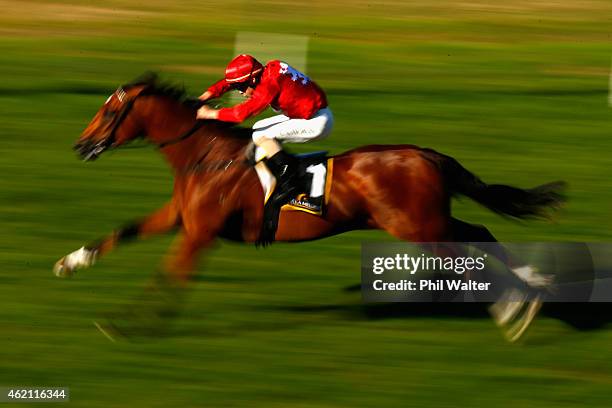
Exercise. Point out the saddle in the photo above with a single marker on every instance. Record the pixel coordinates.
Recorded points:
(313, 185)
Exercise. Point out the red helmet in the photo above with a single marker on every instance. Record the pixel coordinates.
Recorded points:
(242, 69)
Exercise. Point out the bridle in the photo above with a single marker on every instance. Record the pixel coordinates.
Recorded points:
(117, 120)
(120, 117)
(89, 151)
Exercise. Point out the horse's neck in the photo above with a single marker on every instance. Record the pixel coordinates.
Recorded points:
(168, 121)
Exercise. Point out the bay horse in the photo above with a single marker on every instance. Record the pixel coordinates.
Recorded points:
(402, 189)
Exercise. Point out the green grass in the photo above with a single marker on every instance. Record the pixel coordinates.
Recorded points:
(518, 93)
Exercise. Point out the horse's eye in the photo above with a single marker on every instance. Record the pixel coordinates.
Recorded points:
(108, 114)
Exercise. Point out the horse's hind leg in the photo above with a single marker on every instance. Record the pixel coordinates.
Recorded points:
(515, 310)
(476, 234)
(415, 224)
(161, 221)
(466, 232)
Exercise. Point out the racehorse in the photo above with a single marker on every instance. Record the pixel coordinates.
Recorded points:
(402, 189)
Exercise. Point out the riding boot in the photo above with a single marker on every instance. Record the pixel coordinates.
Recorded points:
(284, 166)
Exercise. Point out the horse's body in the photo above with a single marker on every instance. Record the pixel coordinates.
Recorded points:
(405, 204)
(402, 189)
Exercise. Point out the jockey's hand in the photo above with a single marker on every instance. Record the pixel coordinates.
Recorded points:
(205, 96)
(206, 112)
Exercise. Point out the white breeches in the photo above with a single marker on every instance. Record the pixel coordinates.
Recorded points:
(285, 129)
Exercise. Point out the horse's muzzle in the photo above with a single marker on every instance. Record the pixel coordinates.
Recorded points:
(89, 151)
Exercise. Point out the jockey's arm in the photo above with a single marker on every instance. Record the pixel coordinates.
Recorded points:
(205, 96)
(215, 90)
(257, 103)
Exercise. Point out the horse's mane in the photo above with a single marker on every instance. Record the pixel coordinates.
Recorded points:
(154, 85)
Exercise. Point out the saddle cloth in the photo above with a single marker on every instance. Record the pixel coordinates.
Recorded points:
(314, 174)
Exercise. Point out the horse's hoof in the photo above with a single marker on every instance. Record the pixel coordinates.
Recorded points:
(514, 313)
(61, 270)
(532, 276)
(81, 258)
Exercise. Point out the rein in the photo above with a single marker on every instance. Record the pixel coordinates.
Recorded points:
(200, 165)
(184, 136)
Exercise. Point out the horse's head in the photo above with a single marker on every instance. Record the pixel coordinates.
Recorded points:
(113, 125)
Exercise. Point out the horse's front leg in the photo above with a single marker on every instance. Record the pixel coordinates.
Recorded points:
(151, 313)
(161, 221)
(165, 291)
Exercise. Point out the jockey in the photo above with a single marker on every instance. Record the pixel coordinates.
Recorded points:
(305, 115)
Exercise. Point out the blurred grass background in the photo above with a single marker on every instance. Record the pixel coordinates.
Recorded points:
(518, 92)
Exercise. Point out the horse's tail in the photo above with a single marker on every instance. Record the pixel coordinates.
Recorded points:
(506, 200)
